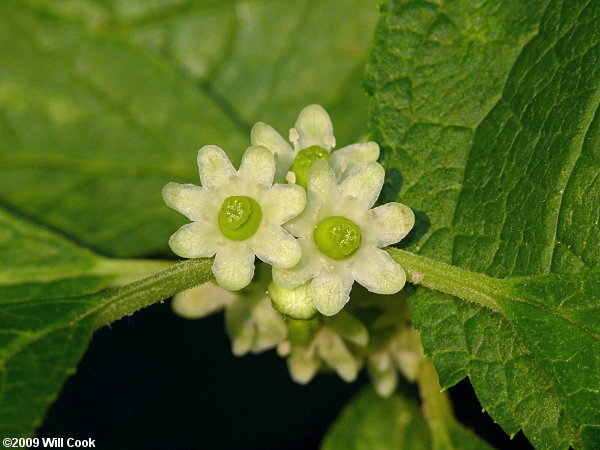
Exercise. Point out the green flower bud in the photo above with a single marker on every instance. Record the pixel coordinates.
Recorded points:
(304, 159)
(294, 303)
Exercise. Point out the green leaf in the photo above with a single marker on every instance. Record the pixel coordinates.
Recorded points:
(37, 263)
(489, 113)
(108, 101)
(558, 318)
(104, 102)
(374, 423)
(555, 316)
(42, 340)
(101, 123)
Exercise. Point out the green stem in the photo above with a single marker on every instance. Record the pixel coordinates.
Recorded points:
(154, 288)
(432, 274)
(436, 405)
(470, 286)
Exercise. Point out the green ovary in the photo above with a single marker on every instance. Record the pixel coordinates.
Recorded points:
(239, 217)
(337, 237)
(304, 159)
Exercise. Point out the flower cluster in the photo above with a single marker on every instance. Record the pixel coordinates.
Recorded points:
(308, 211)
(319, 231)
(373, 332)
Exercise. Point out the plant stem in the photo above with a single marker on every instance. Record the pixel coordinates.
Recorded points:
(436, 405)
(154, 288)
(470, 286)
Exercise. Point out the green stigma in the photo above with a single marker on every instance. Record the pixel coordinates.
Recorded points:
(337, 237)
(239, 217)
(304, 159)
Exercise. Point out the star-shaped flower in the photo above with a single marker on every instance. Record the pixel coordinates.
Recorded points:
(312, 139)
(341, 237)
(236, 215)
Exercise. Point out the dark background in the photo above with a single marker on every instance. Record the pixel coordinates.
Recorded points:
(157, 381)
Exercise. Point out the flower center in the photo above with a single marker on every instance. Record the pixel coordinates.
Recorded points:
(337, 237)
(239, 217)
(304, 159)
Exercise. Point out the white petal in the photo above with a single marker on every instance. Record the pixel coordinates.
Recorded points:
(265, 135)
(215, 168)
(295, 303)
(383, 374)
(282, 202)
(308, 267)
(195, 240)
(233, 267)
(188, 199)
(303, 225)
(331, 291)
(378, 272)
(345, 159)
(364, 183)
(391, 223)
(270, 326)
(303, 365)
(202, 300)
(253, 325)
(257, 167)
(334, 352)
(350, 328)
(322, 185)
(314, 128)
(277, 247)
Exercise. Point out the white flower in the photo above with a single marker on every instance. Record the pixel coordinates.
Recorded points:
(252, 324)
(313, 128)
(395, 347)
(202, 300)
(341, 237)
(312, 345)
(236, 215)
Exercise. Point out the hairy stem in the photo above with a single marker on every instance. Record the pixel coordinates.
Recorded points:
(154, 288)
(439, 276)
(432, 274)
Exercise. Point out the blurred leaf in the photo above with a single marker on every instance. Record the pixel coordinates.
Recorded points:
(371, 422)
(374, 423)
(488, 118)
(91, 129)
(103, 103)
(37, 263)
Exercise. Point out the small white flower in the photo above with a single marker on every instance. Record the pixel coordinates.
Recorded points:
(252, 324)
(236, 215)
(312, 139)
(326, 345)
(202, 300)
(341, 237)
